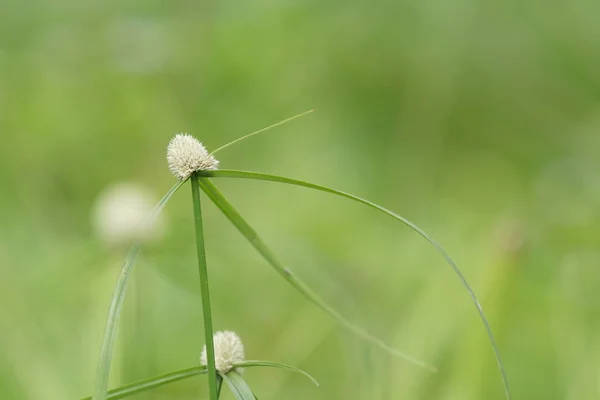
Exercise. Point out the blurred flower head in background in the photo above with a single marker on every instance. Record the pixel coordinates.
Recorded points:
(121, 215)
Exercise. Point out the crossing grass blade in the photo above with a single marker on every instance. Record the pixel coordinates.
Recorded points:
(238, 386)
(435, 244)
(256, 363)
(116, 305)
(161, 380)
(252, 236)
(152, 383)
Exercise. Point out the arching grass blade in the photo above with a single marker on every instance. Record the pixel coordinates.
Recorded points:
(231, 213)
(255, 363)
(438, 247)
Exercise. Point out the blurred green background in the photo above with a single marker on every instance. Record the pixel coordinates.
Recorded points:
(480, 121)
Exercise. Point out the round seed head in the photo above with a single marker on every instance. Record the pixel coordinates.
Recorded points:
(122, 215)
(228, 351)
(186, 155)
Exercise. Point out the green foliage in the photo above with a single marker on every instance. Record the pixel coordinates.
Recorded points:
(215, 195)
(236, 383)
(477, 119)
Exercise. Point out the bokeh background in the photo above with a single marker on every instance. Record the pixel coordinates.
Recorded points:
(478, 120)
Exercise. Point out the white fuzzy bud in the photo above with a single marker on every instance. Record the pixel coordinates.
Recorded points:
(228, 351)
(186, 155)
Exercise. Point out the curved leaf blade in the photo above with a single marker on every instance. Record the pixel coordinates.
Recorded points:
(434, 243)
(152, 383)
(238, 386)
(252, 236)
(116, 304)
(257, 363)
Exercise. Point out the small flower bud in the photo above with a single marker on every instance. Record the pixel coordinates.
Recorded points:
(186, 155)
(228, 351)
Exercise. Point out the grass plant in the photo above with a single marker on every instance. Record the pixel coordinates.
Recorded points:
(189, 160)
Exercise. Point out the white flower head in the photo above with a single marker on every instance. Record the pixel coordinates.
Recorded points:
(121, 215)
(228, 351)
(186, 155)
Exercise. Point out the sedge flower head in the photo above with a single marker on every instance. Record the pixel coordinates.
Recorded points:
(122, 214)
(229, 350)
(186, 155)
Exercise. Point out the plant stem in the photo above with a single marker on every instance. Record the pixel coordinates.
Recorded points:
(208, 331)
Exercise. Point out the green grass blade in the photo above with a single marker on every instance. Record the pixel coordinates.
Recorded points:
(116, 304)
(261, 131)
(231, 213)
(204, 292)
(255, 363)
(438, 247)
(238, 386)
(152, 383)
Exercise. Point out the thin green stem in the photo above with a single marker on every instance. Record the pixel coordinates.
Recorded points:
(260, 131)
(208, 331)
